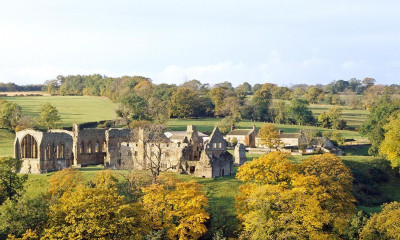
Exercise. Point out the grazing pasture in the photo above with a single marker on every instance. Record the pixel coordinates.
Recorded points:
(72, 109)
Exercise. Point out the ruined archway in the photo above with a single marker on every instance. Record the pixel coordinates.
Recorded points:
(29, 147)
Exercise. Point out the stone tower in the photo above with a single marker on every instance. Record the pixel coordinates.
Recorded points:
(240, 154)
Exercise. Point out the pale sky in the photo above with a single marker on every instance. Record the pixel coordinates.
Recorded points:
(281, 41)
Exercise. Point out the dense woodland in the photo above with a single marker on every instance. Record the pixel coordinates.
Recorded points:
(277, 199)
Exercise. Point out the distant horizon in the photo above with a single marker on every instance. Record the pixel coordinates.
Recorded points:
(282, 42)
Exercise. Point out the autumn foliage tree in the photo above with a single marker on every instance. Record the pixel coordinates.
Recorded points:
(281, 200)
(176, 209)
(390, 145)
(337, 182)
(98, 211)
(269, 135)
(64, 181)
(383, 225)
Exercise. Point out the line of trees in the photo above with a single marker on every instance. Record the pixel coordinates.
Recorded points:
(12, 87)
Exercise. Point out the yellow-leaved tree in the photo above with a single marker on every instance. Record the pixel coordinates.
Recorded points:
(176, 209)
(281, 200)
(337, 182)
(269, 135)
(390, 145)
(96, 212)
(383, 225)
(63, 181)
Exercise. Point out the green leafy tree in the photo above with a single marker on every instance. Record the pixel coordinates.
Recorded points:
(10, 182)
(279, 110)
(332, 119)
(300, 113)
(49, 116)
(27, 212)
(182, 103)
(377, 118)
(133, 107)
(315, 95)
(10, 115)
(261, 102)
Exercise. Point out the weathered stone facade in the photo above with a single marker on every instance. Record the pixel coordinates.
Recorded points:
(43, 152)
(185, 155)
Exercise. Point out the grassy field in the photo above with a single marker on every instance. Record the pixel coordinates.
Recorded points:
(354, 118)
(72, 109)
(6, 143)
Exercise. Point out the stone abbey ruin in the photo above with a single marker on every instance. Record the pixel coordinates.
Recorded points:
(188, 152)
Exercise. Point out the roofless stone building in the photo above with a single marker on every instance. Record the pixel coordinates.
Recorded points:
(43, 152)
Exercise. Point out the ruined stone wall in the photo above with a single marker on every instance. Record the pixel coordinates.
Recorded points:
(240, 155)
(54, 151)
(135, 156)
(89, 146)
(213, 164)
(114, 138)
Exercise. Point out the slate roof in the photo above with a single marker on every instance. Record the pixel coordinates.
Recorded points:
(289, 135)
(244, 132)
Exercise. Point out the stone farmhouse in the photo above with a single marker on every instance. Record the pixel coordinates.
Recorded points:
(289, 142)
(43, 152)
(246, 137)
(286, 139)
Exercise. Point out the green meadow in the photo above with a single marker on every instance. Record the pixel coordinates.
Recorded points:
(72, 109)
(353, 117)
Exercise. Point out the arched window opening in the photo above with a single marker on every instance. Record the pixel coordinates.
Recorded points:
(48, 152)
(29, 147)
(60, 150)
(89, 148)
(82, 148)
(96, 147)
